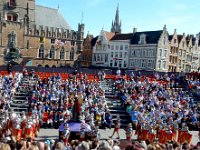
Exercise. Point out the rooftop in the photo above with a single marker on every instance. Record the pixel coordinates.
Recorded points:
(50, 17)
(152, 37)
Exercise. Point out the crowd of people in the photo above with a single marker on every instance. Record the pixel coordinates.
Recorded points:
(153, 103)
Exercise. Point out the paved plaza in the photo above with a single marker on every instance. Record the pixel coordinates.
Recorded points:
(53, 134)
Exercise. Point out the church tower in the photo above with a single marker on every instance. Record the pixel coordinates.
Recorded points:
(116, 25)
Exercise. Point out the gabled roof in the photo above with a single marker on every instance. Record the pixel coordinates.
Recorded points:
(109, 35)
(152, 37)
(45, 16)
(170, 37)
(188, 39)
(94, 40)
(127, 36)
(179, 38)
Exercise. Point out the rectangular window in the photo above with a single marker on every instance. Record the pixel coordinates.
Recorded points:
(126, 47)
(112, 54)
(165, 54)
(117, 47)
(116, 54)
(120, 54)
(111, 63)
(98, 57)
(120, 64)
(112, 47)
(143, 64)
(14, 18)
(9, 18)
(125, 54)
(150, 64)
(121, 47)
(125, 64)
(164, 65)
(106, 58)
(115, 63)
(159, 64)
(160, 52)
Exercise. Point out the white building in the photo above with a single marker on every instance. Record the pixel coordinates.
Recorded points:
(119, 49)
(101, 49)
(149, 50)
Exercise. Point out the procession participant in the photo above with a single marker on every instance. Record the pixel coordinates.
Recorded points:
(129, 132)
(116, 129)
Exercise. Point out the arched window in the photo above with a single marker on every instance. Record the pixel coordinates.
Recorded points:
(41, 51)
(52, 52)
(62, 53)
(71, 57)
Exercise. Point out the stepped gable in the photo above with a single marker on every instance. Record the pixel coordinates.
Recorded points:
(126, 36)
(50, 17)
(152, 37)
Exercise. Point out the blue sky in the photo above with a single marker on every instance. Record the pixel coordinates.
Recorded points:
(145, 15)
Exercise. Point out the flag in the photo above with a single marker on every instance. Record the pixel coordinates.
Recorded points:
(58, 42)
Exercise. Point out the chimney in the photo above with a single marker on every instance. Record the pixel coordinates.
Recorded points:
(174, 30)
(134, 30)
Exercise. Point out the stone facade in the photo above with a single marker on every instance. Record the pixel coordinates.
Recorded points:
(38, 44)
(173, 52)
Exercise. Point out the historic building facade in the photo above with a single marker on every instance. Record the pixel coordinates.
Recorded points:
(101, 48)
(173, 52)
(118, 50)
(36, 35)
(149, 50)
(195, 54)
(88, 45)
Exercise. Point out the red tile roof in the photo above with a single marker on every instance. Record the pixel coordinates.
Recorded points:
(109, 35)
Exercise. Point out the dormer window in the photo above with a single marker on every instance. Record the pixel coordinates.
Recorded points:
(12, 3)
(142, 39)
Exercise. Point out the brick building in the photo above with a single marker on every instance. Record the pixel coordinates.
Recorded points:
(37, 35)
(88, 44)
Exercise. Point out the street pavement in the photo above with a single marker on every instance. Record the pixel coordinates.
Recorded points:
(53, 134)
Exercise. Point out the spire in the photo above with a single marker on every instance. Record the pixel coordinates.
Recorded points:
(116, 24)
(117, 15)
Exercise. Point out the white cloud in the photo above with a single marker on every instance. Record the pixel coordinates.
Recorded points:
(92, 3)
(180, 7)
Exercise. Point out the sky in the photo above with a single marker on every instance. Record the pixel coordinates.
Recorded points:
(145, 15)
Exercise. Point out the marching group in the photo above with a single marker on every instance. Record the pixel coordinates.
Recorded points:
(154, 104)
